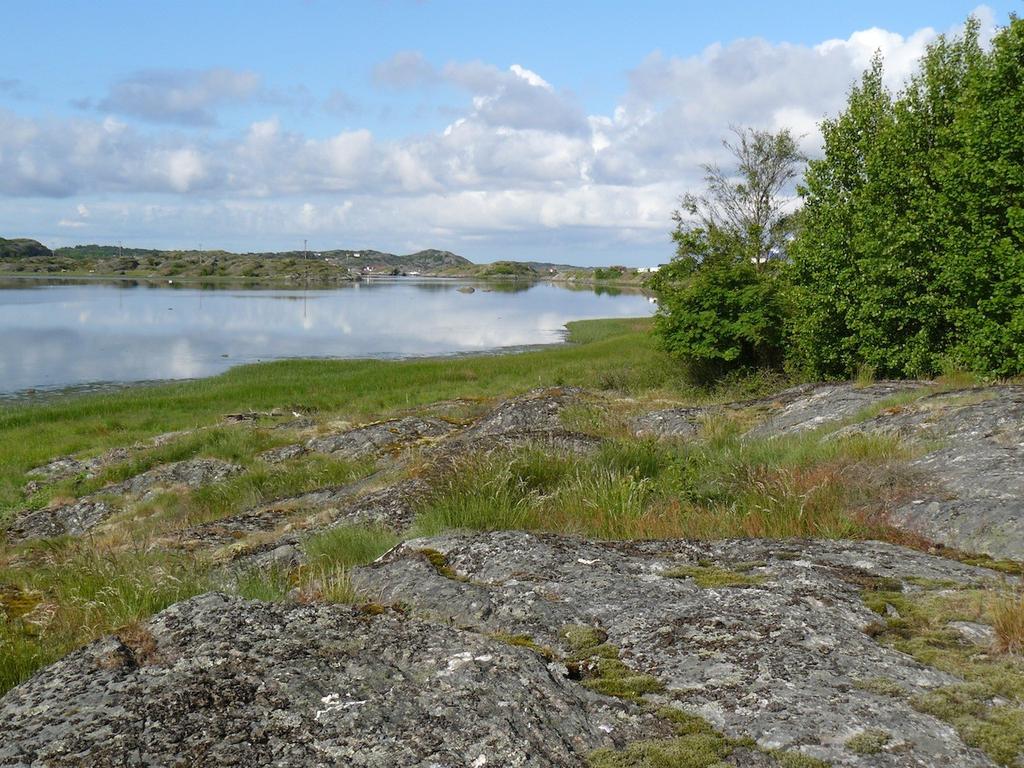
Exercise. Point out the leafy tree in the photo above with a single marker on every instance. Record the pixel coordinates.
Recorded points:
(721, 305)
(909, 257)
(746, 205)
(983, 268)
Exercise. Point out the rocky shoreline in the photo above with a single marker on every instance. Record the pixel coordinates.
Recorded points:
(517, 648)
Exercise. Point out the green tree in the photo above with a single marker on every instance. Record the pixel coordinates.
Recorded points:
(721, 303)
(898, 265)
(983, 268)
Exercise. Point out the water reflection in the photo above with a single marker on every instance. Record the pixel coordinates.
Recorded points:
(58, 333)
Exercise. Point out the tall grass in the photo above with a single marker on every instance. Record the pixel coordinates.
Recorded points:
(721, 487)
(79, 594)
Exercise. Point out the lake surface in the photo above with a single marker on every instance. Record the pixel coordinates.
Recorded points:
(57, 334)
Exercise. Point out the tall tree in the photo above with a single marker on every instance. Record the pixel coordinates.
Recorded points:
(721, 305)
(747, 204)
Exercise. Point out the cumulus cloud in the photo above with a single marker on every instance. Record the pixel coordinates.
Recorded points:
(406, 69)
(186, 97)
(340, 104)
(520, 160)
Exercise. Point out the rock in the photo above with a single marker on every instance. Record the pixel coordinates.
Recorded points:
(972, 492)
(380, 437)
(78, 517)
(809, 407)
(392, 507)
(671, 422)
(532, 418)
(59, 468)
(776, 657)
(284, 453)
(231, 529)
(974, 633)
(65, 520)
(191, 473)
(466, 289)
(68, 466)
(221, 681)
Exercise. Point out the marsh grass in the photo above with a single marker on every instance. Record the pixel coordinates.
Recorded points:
(84, 594)
(721, 487)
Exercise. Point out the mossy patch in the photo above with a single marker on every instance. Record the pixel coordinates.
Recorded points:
(696, 745)
(16, 602)
(611, 677)
(440, 562)
(710, 576)
(868, 742)
(525, 641)
(987, 709)
(883, 686)
(1009, 567)
(587, 642)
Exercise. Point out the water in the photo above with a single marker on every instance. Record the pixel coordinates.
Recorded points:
(59, 334)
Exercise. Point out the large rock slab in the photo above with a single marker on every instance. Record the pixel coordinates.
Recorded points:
(222, 681)
(80, 516)
(778, 657)
(377, 438)
(972, 494)
(536, 417)
(809, 407)
(72, 519)
(191, 473)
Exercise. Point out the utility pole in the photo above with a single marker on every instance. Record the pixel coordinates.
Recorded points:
(305, 250)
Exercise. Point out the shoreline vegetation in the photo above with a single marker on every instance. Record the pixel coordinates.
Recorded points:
(28, 258)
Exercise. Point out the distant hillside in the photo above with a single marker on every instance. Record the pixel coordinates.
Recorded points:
(22, 248)
(430, 260)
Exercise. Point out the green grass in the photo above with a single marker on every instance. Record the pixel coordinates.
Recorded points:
(348, 546)
(987, 709)
(709, 576)
(721, 487)
(80, 594)
(31, 435)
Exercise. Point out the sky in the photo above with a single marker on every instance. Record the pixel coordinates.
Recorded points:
(545, 131)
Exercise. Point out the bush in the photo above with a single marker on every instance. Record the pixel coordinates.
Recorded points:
(721, 300)
(727, 315)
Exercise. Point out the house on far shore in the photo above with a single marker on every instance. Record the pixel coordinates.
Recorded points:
(648, 269)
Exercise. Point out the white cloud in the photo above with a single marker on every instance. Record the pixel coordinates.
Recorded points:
(188, 97)
(521, 160)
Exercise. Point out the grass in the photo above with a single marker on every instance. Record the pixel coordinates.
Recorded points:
(723, 487)
(868, 742)
(79, 594)
(709, 576)
(259, 485)
(1007, 613)
(31, 435)
(348, 546)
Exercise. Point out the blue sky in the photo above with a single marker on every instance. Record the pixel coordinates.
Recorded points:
(550, 131)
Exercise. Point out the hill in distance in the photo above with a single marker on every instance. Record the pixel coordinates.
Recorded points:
(22, 248)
